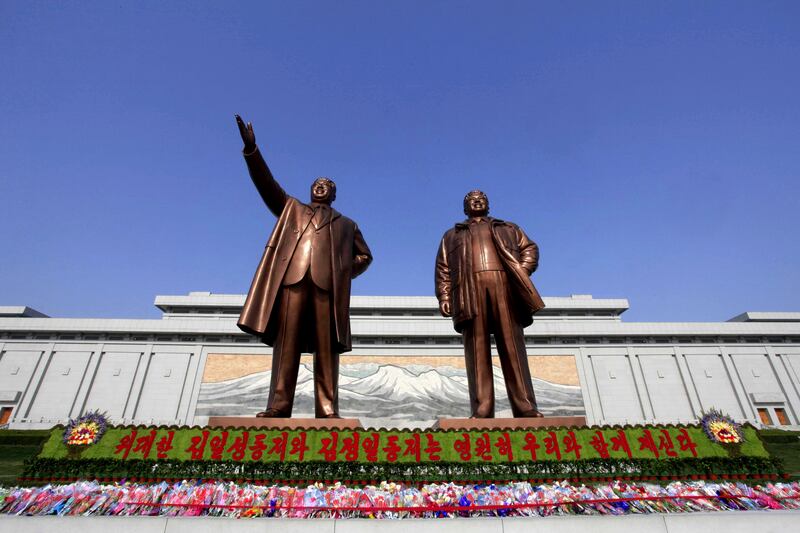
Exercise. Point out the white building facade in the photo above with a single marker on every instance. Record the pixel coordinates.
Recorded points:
(404, 368)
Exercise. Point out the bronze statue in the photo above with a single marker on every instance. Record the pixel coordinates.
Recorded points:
(483, 271)
(299, 300)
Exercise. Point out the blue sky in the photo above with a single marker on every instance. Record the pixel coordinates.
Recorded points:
(652, 149)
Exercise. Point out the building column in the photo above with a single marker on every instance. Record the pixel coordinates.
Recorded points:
(586, 386)
(26, 401)
(688, 382)
(187, 389)
(86, 383)
(641, 387)
(592, 391)
(138, 383)
(197, 381)
(788, 387)
(738, 386)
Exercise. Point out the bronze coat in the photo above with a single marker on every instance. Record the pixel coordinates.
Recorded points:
(520, 257)
(350, 256)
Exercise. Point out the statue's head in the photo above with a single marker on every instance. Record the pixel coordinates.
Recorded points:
(323, 191)
(476, 204)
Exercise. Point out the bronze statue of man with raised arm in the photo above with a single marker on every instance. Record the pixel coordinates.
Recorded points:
(299, 300)
(483, 270)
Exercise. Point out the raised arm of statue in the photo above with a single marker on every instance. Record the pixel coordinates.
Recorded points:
(269, 189)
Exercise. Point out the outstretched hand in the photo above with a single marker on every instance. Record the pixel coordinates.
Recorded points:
(248, 136)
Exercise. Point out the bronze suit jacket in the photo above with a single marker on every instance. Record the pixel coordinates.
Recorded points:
(520, 257)
(350, 256)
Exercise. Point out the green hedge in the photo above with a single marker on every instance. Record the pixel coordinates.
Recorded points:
(11, 437)
(779, 436)
(322, 471)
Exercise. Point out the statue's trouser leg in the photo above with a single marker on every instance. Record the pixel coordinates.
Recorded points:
(286, 351)
(510, 342)
(478, 356)
(326, 360)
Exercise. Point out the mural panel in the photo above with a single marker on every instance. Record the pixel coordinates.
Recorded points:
(384, 391)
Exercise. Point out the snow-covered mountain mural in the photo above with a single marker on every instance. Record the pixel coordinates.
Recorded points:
(383, 395)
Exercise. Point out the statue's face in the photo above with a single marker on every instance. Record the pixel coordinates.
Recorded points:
(476, 204)
(323, 191)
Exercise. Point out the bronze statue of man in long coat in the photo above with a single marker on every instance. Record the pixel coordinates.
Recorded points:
(483, 270)
(299, 300)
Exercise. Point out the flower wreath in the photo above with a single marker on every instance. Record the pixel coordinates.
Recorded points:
(86, 429)
(721, 428)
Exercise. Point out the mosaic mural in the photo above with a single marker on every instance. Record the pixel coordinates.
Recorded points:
(384, 391)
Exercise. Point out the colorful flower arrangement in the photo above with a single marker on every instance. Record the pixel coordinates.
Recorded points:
(392, 500)
(721, 428)
(86, 429)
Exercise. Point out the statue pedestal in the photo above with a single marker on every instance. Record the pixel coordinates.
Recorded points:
(283, 423)
(472, 424)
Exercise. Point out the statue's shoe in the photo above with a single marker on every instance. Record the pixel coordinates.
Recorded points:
(332, 415)
(272, 413)
(533, 413)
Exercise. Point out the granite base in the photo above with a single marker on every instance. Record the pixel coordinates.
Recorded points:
(283, 423)
(470, 424)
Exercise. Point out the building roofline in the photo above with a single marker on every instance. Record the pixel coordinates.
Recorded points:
(768, 316)
(403, 326)
(577, 302)
(20, 311)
